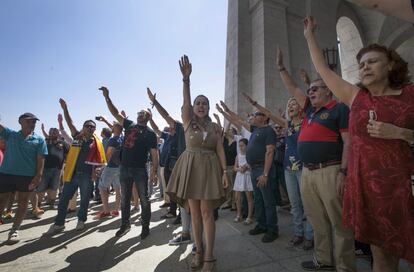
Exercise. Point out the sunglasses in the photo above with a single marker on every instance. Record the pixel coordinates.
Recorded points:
(89, 126)
(315, 88)
(259, 114)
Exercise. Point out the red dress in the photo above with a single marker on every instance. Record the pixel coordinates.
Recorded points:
(378, 202)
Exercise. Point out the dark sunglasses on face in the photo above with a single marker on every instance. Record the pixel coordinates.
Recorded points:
(315, 88)
(89, 126)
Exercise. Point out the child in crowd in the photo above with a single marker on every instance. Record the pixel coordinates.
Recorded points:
(243, 183)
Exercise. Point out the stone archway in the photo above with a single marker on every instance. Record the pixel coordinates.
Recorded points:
(350, 43)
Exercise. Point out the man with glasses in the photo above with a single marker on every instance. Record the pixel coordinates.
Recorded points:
(22, 167)
(323, 148)
(139, 142)
(78, 172)
(259, 155)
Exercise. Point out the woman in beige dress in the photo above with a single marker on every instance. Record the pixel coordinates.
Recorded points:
(199, 177)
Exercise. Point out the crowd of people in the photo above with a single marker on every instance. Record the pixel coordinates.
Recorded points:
(344, 165)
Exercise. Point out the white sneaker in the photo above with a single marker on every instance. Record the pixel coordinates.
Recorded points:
(55, 229)
(13, 236)
(80, 226)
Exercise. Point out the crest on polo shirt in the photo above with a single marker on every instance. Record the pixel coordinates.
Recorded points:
(324, 116)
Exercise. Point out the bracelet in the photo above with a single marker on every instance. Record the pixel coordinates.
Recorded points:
(282, 69)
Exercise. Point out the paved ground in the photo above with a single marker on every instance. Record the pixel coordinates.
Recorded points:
(97, 248)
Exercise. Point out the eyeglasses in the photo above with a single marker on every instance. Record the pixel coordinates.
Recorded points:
(258, 114)
(89, 126)
(315, 88)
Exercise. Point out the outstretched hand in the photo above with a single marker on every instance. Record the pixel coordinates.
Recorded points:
(185, 67)
(151, 96)
(43, 126)
(224, 106)
(220, 110)
(279, 58)
(105, 91)
(309, 26)
(63, 104)
(249, 99)
(124, 114)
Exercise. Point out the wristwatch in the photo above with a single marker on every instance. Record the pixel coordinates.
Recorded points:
(265, 175)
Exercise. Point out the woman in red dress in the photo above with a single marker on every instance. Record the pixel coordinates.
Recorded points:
(378, 198)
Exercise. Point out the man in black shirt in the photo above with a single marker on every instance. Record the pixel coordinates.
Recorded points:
(259, 155)
(57, 151)
(139, 142)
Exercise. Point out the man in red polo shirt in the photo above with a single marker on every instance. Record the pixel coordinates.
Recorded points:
(323, 148)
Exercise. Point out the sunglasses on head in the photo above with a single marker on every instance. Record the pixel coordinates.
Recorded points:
(315, 88)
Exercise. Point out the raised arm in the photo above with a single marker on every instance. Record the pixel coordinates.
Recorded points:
(153, 125)
(170, 121)
(275, 117)
(103, 119)
(68, 119)
(288, 81)
(235, 117)
(218, 120)
(222, 158)
(114, 111)
(229, 118)
(186, 68)
(342, 89)
(44, 131)
(62, 130)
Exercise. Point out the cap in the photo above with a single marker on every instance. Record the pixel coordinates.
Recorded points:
(28, 116)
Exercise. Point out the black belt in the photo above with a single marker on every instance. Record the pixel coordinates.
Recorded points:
(320, 165)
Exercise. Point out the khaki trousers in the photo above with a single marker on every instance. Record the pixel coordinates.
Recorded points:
(324, 209)
(230, 198)
(164, 185)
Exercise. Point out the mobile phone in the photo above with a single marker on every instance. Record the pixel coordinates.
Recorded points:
(98, 118)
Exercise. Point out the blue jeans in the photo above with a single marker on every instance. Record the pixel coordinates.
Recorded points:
(265, 201)
(300, 228)
(85, 184)
(129, 175)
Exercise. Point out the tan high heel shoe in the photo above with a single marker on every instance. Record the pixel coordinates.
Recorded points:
(197, 261)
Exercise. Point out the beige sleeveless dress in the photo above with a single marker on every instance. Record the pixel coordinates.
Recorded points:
(197, 173)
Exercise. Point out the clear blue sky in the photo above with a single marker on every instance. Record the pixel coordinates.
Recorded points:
(51, 49)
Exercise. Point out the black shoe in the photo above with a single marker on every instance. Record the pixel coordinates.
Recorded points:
(270, 237)
(123, 230)
(257, 230)
(145, 232)
(177, 221)
(317, 266)
(168, 215)
(226, 207)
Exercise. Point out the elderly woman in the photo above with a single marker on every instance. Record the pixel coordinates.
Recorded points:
(199, 175)
(378, 200)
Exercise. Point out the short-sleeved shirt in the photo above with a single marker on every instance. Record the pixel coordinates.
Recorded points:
(291, 160)
(21, 156)
(320, 136)
(138, 142)
(256, 149)
(105, 142)
(57, 152)
(116, 143)
(81, 166)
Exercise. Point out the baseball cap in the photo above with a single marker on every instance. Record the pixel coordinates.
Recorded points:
(28, 115)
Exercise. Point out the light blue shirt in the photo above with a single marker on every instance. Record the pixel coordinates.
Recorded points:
(20, 158)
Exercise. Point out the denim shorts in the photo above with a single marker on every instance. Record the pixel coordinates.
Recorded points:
(110, 175)
(50, 180)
